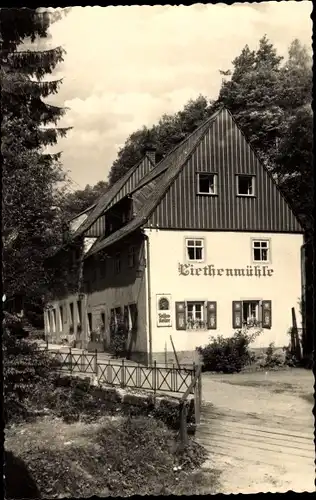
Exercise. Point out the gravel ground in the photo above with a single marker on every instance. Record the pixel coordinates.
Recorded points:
(259, 430)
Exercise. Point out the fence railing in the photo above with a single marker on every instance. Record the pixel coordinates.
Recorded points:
(177, 379)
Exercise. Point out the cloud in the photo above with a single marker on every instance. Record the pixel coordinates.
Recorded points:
(126, 66)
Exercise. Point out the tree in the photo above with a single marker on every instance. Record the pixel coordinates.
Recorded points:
(272, 104)
(31, 224)
(81, 199)
(170, 130)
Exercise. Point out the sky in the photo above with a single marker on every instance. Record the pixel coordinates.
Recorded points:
(126, 66)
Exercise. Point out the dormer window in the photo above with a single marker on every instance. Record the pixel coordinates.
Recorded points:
(245, 185)
(207, 183)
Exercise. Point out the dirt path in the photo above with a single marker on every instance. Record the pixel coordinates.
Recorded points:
(259, 431)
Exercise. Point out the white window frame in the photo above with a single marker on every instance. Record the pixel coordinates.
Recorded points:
(187, 246)
(258, 312)
(61, 316)
(53, 318)
(131, 257)
(249, 195)
(203, 319)
(267, 241)
(215, 183)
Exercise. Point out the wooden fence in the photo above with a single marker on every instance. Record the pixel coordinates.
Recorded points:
(177, 379)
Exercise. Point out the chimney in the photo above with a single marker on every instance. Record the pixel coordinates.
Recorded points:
(151, 154)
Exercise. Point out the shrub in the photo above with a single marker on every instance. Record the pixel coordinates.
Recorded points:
(271, 358)
(24, 368)
(227, 355)
(119, 335)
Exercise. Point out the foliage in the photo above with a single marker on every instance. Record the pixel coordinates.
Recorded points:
(78, 201)
(30, 219)
(25, 369)
(227, 355)
(118, 334)
(272, 359)
(272, 104)
(170, 130)
(118, 457)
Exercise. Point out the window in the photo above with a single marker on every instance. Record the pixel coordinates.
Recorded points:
(79, 311)
(133, 313)
(260, 250)
(131, 256)
(250, 313)
(61, 317)
(195, 315)
(207, 183)
(103, 318)
(117, 263)
(90, 322)
(195, 249)
(245, 185)
(71, 309)
(54, 320)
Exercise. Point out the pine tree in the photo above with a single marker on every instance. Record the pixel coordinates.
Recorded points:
(30, 221)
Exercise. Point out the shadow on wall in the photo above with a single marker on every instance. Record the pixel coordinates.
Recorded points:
(18, 480)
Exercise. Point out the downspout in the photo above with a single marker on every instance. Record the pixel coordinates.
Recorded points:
(148, 293)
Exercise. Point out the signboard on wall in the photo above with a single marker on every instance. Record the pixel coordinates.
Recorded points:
(163, 304)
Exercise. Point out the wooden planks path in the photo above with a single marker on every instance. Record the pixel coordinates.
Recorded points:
(255, 456)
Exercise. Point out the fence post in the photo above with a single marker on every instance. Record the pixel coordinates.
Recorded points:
(199, 382)
(70, 359)
(96, 362)
(154, 379)
(123, 374)
(183, 426)
(109, 373)
(47, 343)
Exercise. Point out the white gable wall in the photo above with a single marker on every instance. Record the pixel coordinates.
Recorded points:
(224, 250)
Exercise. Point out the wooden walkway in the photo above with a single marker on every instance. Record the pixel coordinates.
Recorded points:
(253, 456)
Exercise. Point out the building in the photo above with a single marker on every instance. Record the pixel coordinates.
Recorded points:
(198, 245)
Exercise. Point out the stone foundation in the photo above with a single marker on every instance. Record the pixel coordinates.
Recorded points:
(130, 401)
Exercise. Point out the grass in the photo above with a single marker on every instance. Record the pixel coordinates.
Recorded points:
(108, 457)
(75, 444)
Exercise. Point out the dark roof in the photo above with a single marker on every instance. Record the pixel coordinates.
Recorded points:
(106, 199)
(81, 213)
(154, 185)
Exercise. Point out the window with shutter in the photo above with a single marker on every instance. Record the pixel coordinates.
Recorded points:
(237, 314)
(180, 315)
(266, 314)
(211, 316)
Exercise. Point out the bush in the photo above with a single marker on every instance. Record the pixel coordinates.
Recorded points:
(119, 335)
(25, 367)
(227, 355)
(272, 359)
